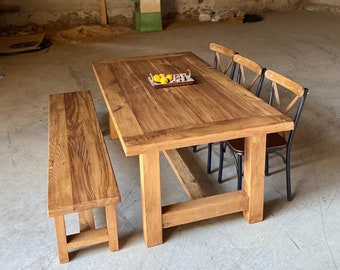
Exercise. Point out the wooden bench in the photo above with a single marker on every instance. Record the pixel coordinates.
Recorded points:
(80, 175)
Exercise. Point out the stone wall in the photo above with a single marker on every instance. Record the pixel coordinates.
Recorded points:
(189, 8)
(332, 6)
(80, 12)
(64, 12)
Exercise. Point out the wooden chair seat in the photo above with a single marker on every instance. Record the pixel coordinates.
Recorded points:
(274, 141)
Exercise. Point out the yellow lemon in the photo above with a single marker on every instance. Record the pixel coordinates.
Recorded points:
(156, 78)
(164, 80)
(169, 77)
(162, 75)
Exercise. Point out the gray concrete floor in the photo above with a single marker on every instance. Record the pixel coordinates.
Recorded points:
(302, 234)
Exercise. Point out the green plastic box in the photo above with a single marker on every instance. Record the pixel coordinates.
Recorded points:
(148, 22)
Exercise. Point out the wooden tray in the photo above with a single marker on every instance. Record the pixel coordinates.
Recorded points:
(177, 80)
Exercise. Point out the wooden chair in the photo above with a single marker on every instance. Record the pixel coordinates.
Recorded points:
(249, 73)
(223, 62)
(223, 59)
(293, 95)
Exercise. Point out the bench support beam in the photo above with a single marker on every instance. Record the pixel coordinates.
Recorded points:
(86, 220)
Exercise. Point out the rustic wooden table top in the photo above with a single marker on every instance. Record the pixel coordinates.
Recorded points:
(212, 109)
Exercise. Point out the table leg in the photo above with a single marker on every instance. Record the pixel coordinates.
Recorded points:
(254, 160)
(151, 198)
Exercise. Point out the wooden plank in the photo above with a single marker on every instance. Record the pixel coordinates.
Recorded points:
(120, 114)
(59, 171)
(184, 175)
(111, 220)
(151, 198)
(204, 208)
(103, 12)
(113, 131)
(60, 229)
(213, 132)
(80, 175)
(87, 238)
(253, 182)
(86, 220)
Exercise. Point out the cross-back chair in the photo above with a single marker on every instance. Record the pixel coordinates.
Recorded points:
(223, 59)
(289, 97)
(249, 73)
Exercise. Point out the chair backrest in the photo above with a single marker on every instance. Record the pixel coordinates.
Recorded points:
(249, 74)
(223, 59)
(292, 95)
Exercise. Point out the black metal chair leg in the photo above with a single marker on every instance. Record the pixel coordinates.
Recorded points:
(288, 184)
(266, 168)
(209, 157)
(220, 165)
(239, 172)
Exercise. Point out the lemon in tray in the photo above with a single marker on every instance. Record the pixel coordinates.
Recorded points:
(156, 78)
(164, 80)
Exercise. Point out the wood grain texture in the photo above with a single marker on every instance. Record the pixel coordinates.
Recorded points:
(254, 159)
(222, 52)
(80, 176)
(86, 220)
(151, 198)
(204, 208)
(248, 64)
(212, 109)
(112, 129)
(87, 238)
(59, 222)
(111, 220)
(184, 175)
(285, 82)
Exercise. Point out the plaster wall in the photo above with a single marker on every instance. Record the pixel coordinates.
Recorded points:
(78, 12)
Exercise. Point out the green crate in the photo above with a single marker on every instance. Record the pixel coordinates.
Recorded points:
(148, 22)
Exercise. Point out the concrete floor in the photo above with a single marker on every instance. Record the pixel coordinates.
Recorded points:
(302, 234)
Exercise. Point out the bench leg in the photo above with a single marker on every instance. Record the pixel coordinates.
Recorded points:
(111, 220)
(61, 238)
(86, 220)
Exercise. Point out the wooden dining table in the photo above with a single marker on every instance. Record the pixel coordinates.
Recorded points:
(149, 121)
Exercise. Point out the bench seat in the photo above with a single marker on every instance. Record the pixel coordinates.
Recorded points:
(80, 175)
